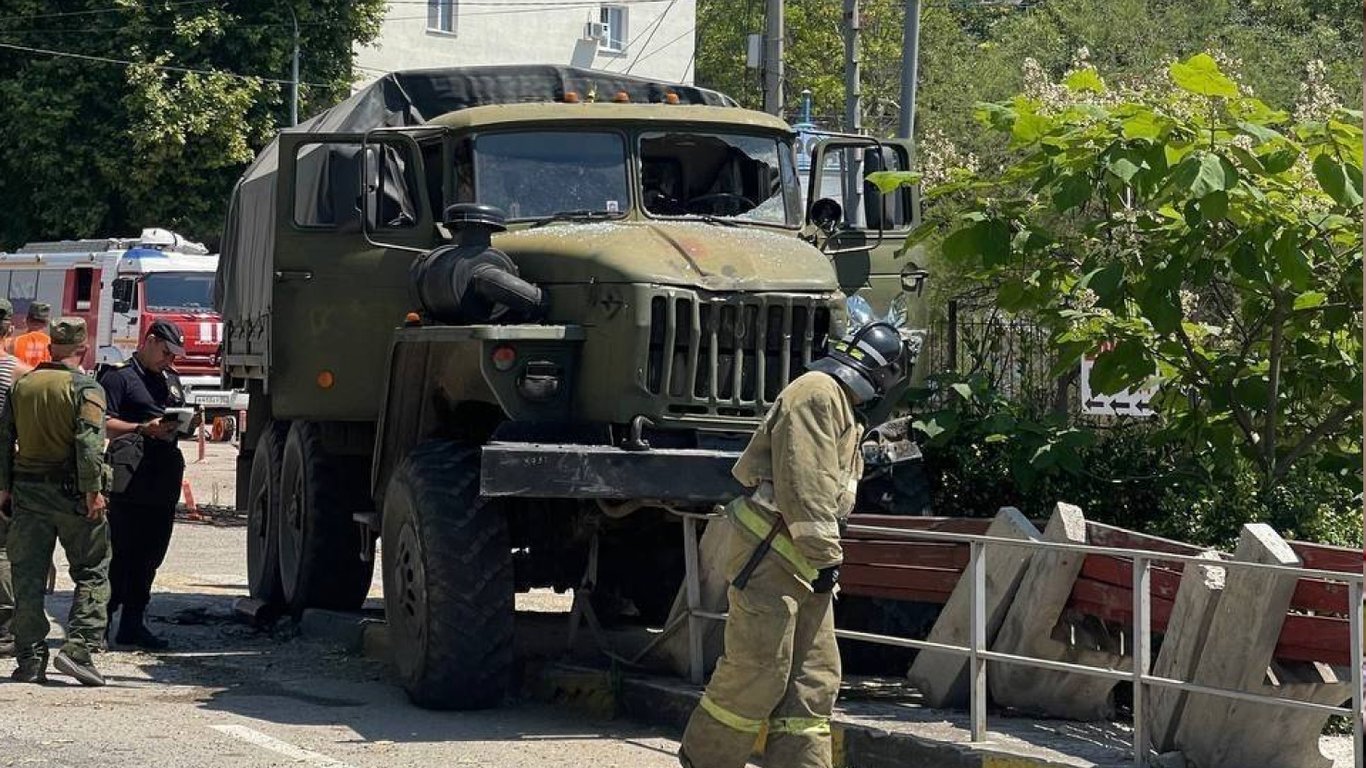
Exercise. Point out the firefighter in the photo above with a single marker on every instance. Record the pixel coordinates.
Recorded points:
(32, 346)
(781, 667)
(55, 483)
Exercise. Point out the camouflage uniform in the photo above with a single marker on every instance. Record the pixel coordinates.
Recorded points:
(781, 668)
(57, 414)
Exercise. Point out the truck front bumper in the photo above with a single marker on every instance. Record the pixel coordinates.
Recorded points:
(570, 471)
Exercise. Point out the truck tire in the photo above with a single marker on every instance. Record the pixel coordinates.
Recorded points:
(263, 510)
(448, 580)
(320, 543)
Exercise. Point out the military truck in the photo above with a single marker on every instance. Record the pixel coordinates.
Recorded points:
(504, 318)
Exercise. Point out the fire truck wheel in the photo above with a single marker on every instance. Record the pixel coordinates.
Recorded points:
(263, 494)
(448, 580)
(320, 544)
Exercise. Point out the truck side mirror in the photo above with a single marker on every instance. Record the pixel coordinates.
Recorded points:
(123, 295)
(826, 214)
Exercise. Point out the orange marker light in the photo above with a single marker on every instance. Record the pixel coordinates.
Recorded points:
(504, 357)
(326, 379)
(412, 318)
(671, 98)
(571, 97)
(622, 97)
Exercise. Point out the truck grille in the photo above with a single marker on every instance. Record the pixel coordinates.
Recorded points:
(730, 355)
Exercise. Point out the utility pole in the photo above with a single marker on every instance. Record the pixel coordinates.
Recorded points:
(294, 71)
(910, 68)
(853, 92)
(773, 57)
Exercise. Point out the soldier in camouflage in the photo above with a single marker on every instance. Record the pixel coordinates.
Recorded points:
(55, 483)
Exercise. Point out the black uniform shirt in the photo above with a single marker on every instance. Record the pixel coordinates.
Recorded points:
(138, 395)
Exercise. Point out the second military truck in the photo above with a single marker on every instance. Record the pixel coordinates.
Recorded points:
(500, 318)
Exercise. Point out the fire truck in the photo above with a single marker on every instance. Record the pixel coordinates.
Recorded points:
(120, 286)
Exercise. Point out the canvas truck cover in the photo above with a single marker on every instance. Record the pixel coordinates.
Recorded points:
(246, 266)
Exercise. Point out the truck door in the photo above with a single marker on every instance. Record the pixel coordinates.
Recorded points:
(337, 294)
(866, 241)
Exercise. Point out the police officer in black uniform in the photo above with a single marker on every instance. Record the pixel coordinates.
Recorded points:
(148, 470)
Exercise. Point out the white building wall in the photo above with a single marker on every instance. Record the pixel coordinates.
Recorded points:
(659, 37)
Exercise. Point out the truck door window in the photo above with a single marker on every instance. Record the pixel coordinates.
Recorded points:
(839, 180)
(704, 174)
(391, 185)
(125, 295)
(326, 184)
(538, 174)
(84, 288)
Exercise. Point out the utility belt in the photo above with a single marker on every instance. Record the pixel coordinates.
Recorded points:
(756, 517)
(64, 478)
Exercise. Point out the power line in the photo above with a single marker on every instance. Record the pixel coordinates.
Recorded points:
(666, 45)
(659, 22)
(115, 9)
(161, 67)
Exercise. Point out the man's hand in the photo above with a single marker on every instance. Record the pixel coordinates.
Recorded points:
(826, 579)
(94, 506)
(160, 429)
(6, 501)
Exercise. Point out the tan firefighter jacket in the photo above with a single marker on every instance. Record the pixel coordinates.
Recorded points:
(804, 463)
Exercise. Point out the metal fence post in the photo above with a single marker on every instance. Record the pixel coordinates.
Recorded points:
(1354, 597)
(1142, 648)
(694, 589)
(977, 666)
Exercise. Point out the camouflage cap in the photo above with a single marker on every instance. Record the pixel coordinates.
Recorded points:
(40, 312)
(6, 310)
(68, 332)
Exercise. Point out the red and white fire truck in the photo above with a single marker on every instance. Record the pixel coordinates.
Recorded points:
(120, 286)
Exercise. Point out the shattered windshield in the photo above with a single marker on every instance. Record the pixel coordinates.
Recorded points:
(179, 290)
(747, 178)
(534, 174)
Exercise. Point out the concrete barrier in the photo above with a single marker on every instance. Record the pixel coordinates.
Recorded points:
(1196, 601)
(942, 677)
(1028, 630)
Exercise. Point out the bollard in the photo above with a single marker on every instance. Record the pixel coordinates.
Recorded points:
(191, 509)
(202, 427)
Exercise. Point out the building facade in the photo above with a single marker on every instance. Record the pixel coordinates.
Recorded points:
(649, 38)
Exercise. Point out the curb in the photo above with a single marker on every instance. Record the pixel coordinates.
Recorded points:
(668, 704)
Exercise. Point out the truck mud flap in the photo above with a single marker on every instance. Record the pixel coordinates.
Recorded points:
(567, 471)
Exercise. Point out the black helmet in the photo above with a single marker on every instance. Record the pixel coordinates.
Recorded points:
(869, 362)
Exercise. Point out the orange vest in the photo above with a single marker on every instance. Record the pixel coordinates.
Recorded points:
(32, 348)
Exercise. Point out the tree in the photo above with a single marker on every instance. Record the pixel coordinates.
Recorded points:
(99, 148)
(1190, 235)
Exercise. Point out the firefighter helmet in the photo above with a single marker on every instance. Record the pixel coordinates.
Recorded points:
(869, 362)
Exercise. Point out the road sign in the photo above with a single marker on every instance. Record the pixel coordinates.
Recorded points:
(1126, 402)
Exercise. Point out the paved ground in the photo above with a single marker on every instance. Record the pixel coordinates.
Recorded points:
(230, 696)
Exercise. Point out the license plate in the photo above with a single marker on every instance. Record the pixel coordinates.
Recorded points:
(209, 400)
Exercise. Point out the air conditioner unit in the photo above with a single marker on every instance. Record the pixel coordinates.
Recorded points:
(595, 30)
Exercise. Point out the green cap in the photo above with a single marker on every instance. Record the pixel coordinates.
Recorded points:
(6, 310)
(68, 331)
(40, 312)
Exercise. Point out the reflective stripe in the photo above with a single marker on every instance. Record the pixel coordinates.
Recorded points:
(800, 726)
(816, 529)
(747, 517)
(730, 719)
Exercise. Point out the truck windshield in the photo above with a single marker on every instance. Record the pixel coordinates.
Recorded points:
(748, 178)
(535, 174)
(179, 290)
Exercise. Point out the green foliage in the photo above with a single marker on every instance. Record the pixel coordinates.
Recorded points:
(1191, 237)
(93, 148)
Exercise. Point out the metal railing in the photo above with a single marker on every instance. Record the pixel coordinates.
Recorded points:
(978, 654)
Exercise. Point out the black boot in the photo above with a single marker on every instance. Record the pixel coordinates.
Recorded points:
(30, 670)
(133, 632)
(6, 645)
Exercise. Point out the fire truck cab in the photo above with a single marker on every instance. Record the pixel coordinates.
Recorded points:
(120, 286)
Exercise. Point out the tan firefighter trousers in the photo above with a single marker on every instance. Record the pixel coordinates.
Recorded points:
(781, 668)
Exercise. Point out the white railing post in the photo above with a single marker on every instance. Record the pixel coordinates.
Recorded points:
(977, 666)
(1354, 597)
(693, 588)
(1142, 641)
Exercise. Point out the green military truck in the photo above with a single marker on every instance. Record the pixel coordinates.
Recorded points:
(499, 317)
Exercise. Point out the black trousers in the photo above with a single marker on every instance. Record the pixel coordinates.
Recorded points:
(140, 534)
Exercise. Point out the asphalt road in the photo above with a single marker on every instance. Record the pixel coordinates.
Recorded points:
(228, 695)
